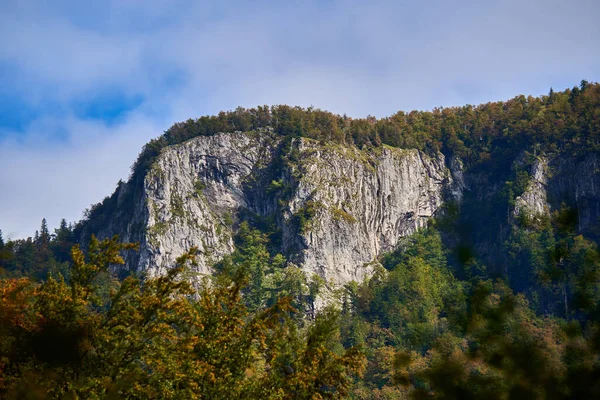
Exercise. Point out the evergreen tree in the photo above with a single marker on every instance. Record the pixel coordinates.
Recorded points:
(63, 241)
(43, 253)
(44, 233)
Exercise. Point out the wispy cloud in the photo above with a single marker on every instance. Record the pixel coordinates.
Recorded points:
(84, 85)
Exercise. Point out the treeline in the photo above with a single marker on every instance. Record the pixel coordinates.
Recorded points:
(559, 121)
(36, 257)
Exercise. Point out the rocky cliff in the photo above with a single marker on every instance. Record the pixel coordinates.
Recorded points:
(534, 200)
(364, 203)
(337, 208)
(575, 181)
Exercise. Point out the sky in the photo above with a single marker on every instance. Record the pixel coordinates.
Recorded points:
(85, 84)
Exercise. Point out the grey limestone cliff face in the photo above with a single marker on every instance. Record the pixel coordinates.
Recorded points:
(191, 193)
(534, 201)
(362, 201)
(365, 202)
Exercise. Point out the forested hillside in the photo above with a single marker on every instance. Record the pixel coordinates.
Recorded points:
(498, 297)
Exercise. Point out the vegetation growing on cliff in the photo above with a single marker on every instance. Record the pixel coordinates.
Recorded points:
(304, 215)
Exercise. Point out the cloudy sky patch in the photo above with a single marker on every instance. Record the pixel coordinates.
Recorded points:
(83, 85)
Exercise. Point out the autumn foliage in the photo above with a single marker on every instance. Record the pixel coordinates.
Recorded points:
(96, 337)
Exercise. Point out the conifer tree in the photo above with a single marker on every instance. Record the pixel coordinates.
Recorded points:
(44, 232)
(63, 241)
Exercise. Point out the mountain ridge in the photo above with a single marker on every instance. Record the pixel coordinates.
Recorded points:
(488, 158)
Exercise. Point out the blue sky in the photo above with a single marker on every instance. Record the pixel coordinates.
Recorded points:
(83, 85)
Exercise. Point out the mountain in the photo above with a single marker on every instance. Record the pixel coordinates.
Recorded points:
(334, 209)
(451, 253)
(336, 194)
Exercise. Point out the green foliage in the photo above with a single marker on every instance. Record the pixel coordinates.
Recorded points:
(417, 297)
(426, 244)
(161, 339)
(38, 257)
(275, 186)
(305, 214)
(466, 131)
(158, 229)
(177, 206)
(506, 352)
(515, 188)
(199, 187)
(252, 260)
(341, 215)
(267, 276)
(429, 335)
(227, 219)
(558, 269)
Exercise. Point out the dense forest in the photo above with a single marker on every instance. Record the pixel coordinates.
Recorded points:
(442, 317)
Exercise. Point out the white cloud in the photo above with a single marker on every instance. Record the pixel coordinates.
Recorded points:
(349, 57)
(54, 180)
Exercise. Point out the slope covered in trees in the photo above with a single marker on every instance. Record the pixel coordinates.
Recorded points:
(96, 337)
(562, 121)
(485, 303)
(413, 330)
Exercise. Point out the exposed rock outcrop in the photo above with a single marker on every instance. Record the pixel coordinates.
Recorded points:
(556, 181)
(576, 182)
(334, 209)
(192, 192)
(365, 202)
(357, 203)
(534, 201)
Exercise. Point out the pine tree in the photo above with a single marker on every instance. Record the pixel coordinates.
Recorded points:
(43, 254)
(4, 254)
(551, 96)
(63, 241)
(44, 232)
